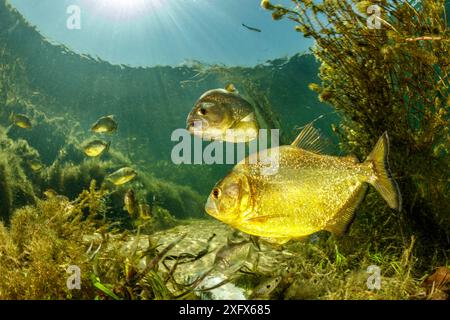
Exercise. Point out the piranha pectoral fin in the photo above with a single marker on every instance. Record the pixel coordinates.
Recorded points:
(344, 218)
(383, 182)
(263, 219)
(249, 118)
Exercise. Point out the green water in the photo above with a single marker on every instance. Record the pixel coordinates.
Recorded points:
(64, 93)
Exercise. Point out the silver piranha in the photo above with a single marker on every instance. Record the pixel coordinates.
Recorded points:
(122, 176)
(222, 114)
(105, 125)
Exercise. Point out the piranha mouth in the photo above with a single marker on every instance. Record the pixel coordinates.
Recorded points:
(211, 207)
(197, 126)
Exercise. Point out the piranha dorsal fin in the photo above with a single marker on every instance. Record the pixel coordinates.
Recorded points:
(344, 218)
(383, 181)
(309, 139)
(231, 88)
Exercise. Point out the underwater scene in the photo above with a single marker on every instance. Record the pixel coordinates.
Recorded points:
(224, 150)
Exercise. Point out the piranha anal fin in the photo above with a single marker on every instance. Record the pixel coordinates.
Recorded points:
(276, 241)
(344, 218)
(383, 181)
(309, 139)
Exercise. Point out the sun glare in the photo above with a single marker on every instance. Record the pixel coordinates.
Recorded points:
(126, 8)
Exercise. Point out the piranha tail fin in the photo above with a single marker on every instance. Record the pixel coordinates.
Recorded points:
(383, 181)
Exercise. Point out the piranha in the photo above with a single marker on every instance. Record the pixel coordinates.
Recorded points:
(105, 125)
(35, 165)
(122, 176)
(21, 120)
(265, 288)
(96, 148)
(129, 201)
(309, 192)
(218, 111)
(145, 211)
(233, 256)
(50, 193)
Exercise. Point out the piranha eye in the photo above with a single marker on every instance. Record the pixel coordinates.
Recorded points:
(216, 193)
(202, 111)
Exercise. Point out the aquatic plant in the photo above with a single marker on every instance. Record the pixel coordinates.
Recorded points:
(43, 240)
(16, 180)
(393, 77)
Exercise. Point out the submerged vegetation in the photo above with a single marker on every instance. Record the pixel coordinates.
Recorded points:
(58, 209)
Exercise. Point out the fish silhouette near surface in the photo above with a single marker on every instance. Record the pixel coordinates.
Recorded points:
(251, 28)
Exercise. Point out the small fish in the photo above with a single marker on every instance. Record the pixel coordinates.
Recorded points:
(251, 28)
(145, 211)
(232, 256)
(265, 288)
(309, 191)
(35, 165)
(122, 176)
(50, 193)
(105, 125)
(219, 110)
(129, 200)
(21, 120)
(96, 148)
(439, 279)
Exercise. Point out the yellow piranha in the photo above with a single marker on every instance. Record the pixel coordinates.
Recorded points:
(145, 211)
(222, 114)
(35, 165)
(21, 120)
(96, 148)
(308, 192)
(122, 176)
(105, 125)
(129, 201)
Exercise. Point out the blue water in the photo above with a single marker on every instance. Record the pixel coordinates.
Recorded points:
(163, 32)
